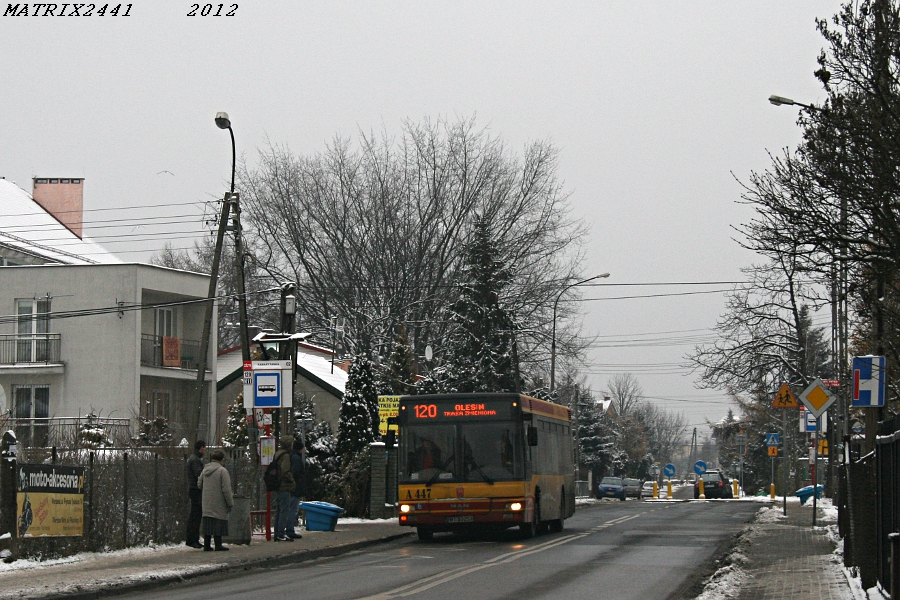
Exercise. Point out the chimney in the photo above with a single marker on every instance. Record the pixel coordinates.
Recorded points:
(63, 199)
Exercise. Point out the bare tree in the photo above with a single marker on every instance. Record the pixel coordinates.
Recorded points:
(626, 394)
(373, 234)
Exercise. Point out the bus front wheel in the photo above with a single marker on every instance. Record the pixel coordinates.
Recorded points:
(560, 523)
(424, 534)
(531, 529)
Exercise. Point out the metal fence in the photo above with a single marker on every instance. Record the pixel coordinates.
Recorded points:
(152, 352)
(40, 348)
(133, 497)
(69, 432)
(887, 496)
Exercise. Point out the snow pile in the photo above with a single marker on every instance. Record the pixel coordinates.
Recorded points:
(87, 557)
(770, 514)
(725, 583)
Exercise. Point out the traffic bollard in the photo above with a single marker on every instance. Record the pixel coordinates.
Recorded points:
(669, 490)
(772, 491)
(734, 487)
(895, 565)
(655, 490)
(702, 494)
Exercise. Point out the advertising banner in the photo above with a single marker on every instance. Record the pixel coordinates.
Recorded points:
(50, 501)
(388, 406)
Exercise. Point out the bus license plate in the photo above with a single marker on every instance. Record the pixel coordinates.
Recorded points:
(418, 494)
(463, 519)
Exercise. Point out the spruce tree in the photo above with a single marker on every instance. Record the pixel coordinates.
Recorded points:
(482, 345)
(236, 426)
(358, 422)
(402, 371)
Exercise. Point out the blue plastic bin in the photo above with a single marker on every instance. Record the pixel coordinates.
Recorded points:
(805, 493)
(321, 516)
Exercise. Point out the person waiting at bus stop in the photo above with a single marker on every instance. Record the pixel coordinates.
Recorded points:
(286, 486)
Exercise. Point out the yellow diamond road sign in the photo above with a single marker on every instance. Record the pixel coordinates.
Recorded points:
(817, 398)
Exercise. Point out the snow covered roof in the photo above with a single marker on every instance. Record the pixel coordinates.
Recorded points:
(26, 227)
(314, 367)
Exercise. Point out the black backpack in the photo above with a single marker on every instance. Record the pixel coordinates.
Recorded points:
(272, 478)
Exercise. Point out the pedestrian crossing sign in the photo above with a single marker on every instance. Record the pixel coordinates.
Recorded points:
(785, 398)
(772, 439)
(773, 450)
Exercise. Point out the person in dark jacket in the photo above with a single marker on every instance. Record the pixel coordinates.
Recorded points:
(298, 470)
(218, 500)
(192, 468)
(282, 460)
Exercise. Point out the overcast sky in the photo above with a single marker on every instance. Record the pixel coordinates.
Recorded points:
(656, 109)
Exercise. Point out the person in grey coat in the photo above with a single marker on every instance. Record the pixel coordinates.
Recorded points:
(215, 484)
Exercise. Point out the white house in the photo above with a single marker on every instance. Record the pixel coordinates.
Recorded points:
(82, 332)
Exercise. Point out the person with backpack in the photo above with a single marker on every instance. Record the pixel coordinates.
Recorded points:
(298, 470)
(218, 500)
(286, 486)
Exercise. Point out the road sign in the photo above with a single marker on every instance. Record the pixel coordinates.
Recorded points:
(772, 439)
(808, 422)
(817, 398)
(740, 440)
(699, 467)
(785, 398)
(669, 470)
(868, 381)
(773, 450)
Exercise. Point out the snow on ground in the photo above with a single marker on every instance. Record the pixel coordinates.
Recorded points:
(724, 583)
(87, 557)
(355, 521)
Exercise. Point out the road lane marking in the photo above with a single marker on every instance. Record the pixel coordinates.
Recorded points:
(437, 579)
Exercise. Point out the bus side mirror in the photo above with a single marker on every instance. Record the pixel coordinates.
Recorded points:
(390, 439)
(531, 434)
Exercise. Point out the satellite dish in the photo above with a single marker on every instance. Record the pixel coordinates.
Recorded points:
(429, 354)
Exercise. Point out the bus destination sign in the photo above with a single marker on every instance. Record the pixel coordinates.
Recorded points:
(442, 411)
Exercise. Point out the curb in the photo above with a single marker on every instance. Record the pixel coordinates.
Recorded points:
(247, 565)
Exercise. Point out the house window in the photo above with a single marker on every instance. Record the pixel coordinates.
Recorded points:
(158, 405)
(76, 181)
(40, 181)
(32, 327)
(165, 322)
(31, 409)
(54, 181)
(64, 181)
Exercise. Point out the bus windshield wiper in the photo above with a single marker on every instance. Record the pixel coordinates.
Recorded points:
(480, 472)
(439, 471)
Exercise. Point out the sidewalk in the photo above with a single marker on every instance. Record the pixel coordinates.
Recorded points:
(86, 575)
(784, 557)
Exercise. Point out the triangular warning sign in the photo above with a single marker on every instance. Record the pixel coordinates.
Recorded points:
(785, 398)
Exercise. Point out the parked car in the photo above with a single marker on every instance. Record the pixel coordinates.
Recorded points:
(647, 489)
(715, 485)
(611, 487)
(632, 488)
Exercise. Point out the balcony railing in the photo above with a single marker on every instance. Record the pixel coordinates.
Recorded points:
(35, 348)
(152, 353)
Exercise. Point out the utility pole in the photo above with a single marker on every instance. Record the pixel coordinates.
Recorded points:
(286, 348)
(203, 398)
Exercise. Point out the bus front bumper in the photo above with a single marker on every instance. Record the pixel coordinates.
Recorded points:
(459, 512)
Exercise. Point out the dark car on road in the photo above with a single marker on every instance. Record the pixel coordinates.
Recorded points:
(611, 487)
(632, 488)
(715, 485)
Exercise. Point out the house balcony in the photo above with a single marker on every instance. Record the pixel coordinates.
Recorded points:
(30, 350)
(159, 351)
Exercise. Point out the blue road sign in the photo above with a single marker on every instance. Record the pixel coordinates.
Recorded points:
(669, 470)
(699, 467)
(266, 389)
(868, 381)
(772, 439)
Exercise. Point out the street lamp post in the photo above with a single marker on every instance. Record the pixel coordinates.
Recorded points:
(553, 337)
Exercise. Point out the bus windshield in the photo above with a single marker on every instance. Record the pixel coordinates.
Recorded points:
(472, 451)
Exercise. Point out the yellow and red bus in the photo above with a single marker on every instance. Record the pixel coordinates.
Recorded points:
(481, 461)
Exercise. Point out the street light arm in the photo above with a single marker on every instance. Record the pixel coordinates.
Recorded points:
(782, 101)
(553, 337)
(233, 158)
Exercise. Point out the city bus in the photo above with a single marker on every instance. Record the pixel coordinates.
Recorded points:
(470, 462)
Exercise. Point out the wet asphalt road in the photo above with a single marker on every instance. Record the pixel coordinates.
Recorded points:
(621, 550)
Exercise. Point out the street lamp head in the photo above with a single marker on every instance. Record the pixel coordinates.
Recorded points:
(779, 100)
(603, 276)
(222, 120)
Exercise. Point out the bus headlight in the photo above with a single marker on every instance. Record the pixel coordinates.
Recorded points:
(405, 508)
(515, 506)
